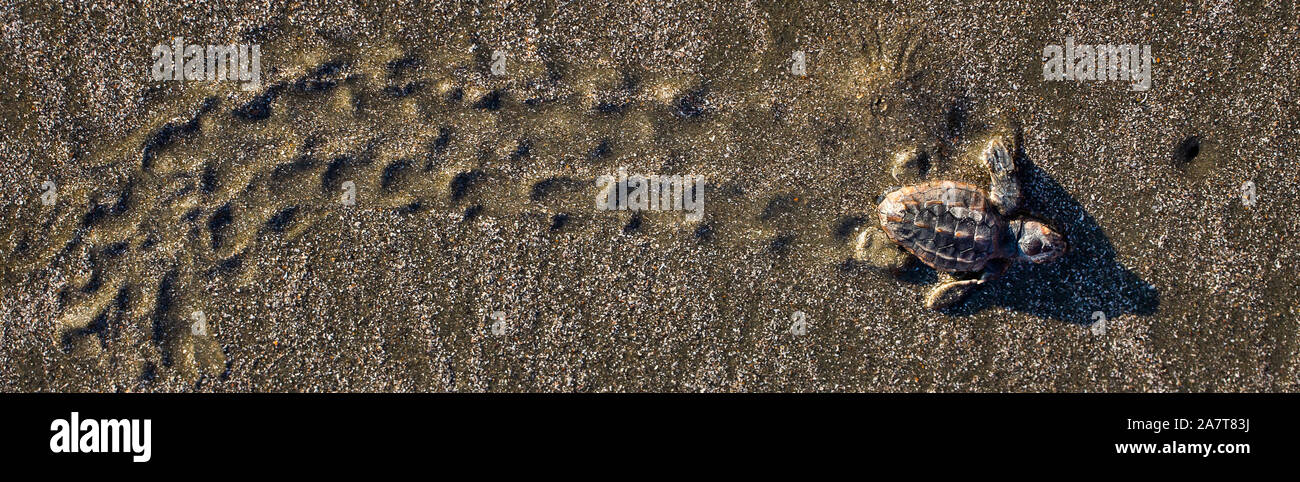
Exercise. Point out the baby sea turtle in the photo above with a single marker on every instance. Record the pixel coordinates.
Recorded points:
(956, 227)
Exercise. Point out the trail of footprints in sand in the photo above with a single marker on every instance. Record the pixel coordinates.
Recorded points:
(195, 197)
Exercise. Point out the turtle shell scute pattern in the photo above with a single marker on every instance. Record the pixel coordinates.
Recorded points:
(948, 225)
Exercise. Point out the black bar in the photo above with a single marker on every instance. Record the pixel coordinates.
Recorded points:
(358, 429)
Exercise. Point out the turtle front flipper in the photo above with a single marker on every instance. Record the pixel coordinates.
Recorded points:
(1004, 189)
(950, 293)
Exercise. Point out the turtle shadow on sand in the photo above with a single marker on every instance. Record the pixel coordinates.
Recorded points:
(1086, 280)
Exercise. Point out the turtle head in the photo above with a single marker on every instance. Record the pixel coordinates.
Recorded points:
(1037, 242)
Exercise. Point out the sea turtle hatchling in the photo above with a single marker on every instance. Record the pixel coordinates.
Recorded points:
(956, 227)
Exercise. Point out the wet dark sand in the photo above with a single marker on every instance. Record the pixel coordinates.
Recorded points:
(474, 195)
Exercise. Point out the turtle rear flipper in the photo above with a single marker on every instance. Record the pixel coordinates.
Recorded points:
(874, 248)
(951, 290)
(1004, 189)
(950, 293)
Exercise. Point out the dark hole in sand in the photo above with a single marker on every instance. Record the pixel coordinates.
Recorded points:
(411, 208)
(444, 137)
(332, 177)
(230, 363)
(230, 265)
(99, 211)
(455, 95)
(691, 105)
(404, 90)
(218, 224)
(490, 101)
(633, 225)
(558, 221)
(183, 191)
(601, 150)
(96, 278)
(1186, 152)
(208, 182)
(148, 373)
(471, 213)
(462, 182)
(833, 137)
(98, 326)
(116, 249)
(522, 150)
(393, 172)
(169, 132)
(24, 243)
(437, 148)
(124, 198)
(282, 219)
(287, 170)
(161, 316)
(261, 33)
(259, 107)
(192, 215)
(400, 66)
(704, 232)
(150, 241)
(320, 80)
(96, 213)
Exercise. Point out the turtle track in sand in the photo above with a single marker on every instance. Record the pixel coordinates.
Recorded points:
(197, 195)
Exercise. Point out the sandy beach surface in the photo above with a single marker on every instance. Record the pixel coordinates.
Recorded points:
(405, 202)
